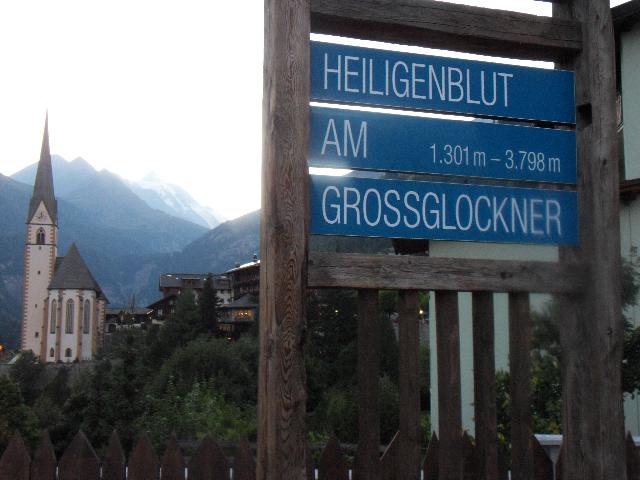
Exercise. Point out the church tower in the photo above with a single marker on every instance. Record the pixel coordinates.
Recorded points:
(40, 252)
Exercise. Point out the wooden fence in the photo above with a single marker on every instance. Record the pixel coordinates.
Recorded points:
(80, 462)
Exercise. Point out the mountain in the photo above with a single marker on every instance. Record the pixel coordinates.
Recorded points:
(168, 198)
(175, 201)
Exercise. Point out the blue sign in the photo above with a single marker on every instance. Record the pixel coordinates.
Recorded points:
(358, 75)
(443, 211)
(387, 142)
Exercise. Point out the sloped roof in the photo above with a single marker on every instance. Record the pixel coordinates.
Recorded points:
(43, 186)
(245, 301)
(72, 272)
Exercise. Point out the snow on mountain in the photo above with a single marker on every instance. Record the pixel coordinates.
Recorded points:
(175, 201)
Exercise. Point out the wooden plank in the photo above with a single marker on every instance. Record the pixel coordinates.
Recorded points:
(210, 463)
(143, 464)
(172, 464)
(395, 272)
(633, 459)
(452, 27)
(484, 383)
(449, 396)
(244, 467)
(389, 459)
(15, 460)
(469, 465)
(542, 464)
(520, 386)
(44, 463)
(113, 467)
(368, 454)
(332, 464)
(283, 242)
(409, 387)
(592, 333)
(79, 461)
(430, 463)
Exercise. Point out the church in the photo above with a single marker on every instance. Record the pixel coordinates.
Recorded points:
(63, 307)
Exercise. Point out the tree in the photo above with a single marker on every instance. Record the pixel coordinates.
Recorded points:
(25, 372)
(209, 303)
(181, 327)
(15, 415)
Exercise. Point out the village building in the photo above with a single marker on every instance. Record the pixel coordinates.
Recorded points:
(174, 283)
(63, 307)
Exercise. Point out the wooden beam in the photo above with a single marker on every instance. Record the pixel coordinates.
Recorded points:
(448, 26)
(484, 383)
(590, 325)
(368, 452)
(282, 433)
(520, 386)
(351, 270)
(449, 396)
(409, 386)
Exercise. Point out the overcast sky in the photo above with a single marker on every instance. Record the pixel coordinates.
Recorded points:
(137, 86)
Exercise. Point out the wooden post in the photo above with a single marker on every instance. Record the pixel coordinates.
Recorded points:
(520, 386)
(484, 383)
(368, 455)
(449, 397)
(591, 326)
(408, 362)
(283, 233)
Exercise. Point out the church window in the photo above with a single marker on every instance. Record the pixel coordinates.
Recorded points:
(54, 309)
(40, 236)
(52, 352)
(67, 353)
(68, 327)
(86, 317)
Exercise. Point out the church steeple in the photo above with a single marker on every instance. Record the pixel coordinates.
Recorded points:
(43, 187)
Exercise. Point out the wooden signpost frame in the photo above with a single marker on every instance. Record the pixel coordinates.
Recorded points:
(578, 37)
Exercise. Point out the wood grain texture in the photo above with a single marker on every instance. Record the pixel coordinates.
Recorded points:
(368, 455)
(79, 461)
(113, 467)
(449, 396)
(520, 332)
(453, 27)
(409, 386)
(591, 331)
(484, 382)
(44, 463)
(352, 270)
(283, 242)
(172, 463)
(15, 460)
(469, 465)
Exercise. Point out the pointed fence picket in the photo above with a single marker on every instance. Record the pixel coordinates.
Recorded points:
(80, 462)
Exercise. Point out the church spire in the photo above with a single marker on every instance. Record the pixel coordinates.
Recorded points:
(43, 187)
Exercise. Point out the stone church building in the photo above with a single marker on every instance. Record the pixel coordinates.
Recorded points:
(63, 307)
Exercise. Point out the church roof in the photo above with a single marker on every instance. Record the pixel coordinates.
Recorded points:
(72, 273)
(43, 186)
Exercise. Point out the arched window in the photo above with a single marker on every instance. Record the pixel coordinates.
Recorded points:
(68, 326)
(40, 236)
(67, 353)
(54, 312)
(86, 317)
(52, 352)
